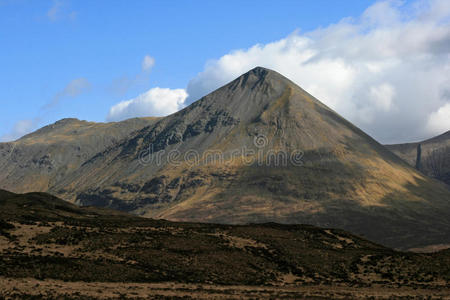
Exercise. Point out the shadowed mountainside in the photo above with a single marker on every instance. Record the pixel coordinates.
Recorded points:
(260, 149)
(46, 238)
(431, 156)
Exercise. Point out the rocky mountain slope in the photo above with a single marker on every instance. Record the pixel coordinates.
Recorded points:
(47, 239)
(259, 149)
(40, 159)
(431, 156)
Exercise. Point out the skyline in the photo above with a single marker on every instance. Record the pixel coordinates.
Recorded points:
(131, 66)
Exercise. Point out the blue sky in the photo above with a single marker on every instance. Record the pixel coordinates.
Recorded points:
(78, 59)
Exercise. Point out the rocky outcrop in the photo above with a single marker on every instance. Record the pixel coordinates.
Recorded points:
(432, 156)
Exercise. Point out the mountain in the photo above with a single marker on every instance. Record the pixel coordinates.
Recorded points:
(431, 156)
(259, 149)
(45, 242)
(40, 159)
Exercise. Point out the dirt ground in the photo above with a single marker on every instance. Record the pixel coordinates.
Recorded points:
(55, 289)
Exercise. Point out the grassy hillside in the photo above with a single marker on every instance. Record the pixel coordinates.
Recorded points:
(45, 238)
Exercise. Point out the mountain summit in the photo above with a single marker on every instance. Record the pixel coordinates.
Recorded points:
(258, 149)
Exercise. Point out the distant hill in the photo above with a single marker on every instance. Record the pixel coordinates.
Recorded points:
(431, 156)
(46, 238)
(259, 149)
(37, 161)
(43, 207)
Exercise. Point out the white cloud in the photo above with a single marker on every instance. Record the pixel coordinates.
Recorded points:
(60, 10)
(21, 128)
(73, 89)
(120, 86)
(386, 70)
(382, 96)
(439, 121)
(148, 63)
(155, 102)
(76, 87)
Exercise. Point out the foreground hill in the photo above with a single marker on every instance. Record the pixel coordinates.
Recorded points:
(260, 149)
(431, 156)
(47, 244)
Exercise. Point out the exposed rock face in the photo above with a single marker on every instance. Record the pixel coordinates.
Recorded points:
(431, 156)
(419, 157)
(258, 149)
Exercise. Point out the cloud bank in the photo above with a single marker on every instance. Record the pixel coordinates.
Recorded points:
(439, 121)
(388, 71)
(155, 102)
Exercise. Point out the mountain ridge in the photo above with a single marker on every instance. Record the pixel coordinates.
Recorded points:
(430, 156)
(344, 178)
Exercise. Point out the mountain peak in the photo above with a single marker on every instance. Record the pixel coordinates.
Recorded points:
(262, 73)
(260, 70)
(264, 78)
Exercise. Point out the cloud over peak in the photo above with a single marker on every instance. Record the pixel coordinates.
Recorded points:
(386, 71)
